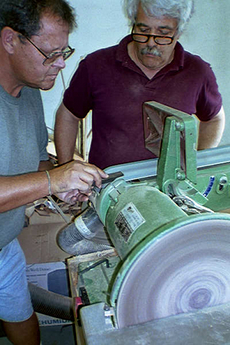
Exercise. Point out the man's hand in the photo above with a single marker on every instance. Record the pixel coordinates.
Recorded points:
(72, 197)
(73, 181)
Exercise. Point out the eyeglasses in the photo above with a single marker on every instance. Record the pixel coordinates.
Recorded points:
(144, 38)
(52, 57)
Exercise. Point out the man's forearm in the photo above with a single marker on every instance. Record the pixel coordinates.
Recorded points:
(210, 132)
(65, 142)
(22, 189)
(74, 177)
(65, 134)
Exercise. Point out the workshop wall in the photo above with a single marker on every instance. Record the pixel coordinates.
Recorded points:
(101, 23)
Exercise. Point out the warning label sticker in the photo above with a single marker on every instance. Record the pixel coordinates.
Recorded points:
(128, 220)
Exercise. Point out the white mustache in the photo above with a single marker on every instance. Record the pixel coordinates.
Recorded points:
(152, 51)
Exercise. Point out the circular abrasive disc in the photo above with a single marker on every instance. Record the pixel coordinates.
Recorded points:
(181, 271)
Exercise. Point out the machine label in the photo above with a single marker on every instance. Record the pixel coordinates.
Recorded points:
(129, 220)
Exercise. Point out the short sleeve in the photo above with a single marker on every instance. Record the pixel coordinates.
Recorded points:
(77, 98)
(209, 101)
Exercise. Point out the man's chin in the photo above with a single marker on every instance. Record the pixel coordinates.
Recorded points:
(150, 65)
(149, 61)
(47, 86)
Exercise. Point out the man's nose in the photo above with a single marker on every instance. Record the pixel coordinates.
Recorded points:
(151, 42)
(59, 62)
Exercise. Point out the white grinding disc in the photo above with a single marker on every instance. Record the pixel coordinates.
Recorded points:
(181, 271)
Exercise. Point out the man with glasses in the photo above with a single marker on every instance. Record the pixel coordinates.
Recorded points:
(148, 65)
(33, 50)
(51, 58)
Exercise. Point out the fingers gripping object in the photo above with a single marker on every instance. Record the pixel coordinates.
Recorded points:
(86, 234)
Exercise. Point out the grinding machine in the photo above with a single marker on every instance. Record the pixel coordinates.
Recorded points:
(169, 261)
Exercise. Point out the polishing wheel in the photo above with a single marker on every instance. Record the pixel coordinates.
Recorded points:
(177, 270)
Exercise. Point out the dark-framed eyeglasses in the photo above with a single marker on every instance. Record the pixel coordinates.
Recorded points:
(52, 57)
(144, 38)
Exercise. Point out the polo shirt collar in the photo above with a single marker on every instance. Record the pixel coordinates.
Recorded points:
(122, 56)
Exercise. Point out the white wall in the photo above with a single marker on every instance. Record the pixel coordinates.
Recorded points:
(208, 36)
(101, 23)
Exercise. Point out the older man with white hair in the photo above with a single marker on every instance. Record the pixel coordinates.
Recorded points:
(147, 65)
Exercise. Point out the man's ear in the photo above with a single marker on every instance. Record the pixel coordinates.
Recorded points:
(9, 38)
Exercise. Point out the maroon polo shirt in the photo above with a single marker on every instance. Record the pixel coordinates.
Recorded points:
(110, 83)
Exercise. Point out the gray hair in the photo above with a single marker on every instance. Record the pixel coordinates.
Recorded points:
(181, 10)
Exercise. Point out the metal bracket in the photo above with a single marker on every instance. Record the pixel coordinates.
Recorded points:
(177, 165)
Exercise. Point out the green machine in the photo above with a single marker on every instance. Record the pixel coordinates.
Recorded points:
(164, 221)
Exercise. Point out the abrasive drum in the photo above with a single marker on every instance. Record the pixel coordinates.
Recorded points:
(180, 270)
